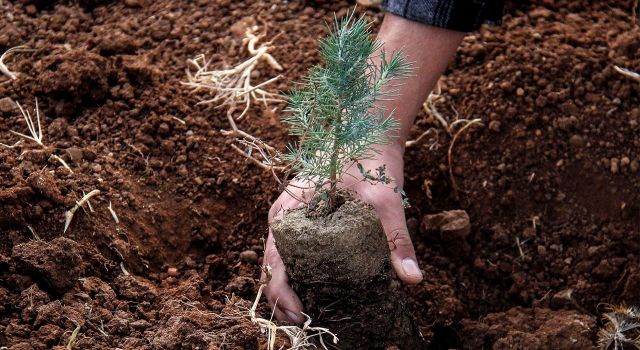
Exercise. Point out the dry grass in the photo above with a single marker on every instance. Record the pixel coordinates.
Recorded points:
(299, 337)
(621, 329)
(36, 134)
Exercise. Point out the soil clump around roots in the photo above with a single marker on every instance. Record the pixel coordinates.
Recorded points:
(339, 266)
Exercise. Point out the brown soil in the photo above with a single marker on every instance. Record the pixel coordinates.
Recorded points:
(339, 266)
(555, 167)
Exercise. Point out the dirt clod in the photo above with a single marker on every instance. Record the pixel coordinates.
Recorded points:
(58, 264)
(453, 224)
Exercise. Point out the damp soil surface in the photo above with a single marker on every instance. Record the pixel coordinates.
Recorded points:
(550, 180)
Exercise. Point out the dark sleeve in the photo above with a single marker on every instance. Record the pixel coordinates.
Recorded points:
(459, 15)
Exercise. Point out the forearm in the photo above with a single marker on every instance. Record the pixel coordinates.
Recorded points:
(429, 49)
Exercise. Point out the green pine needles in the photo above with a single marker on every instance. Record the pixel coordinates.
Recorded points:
(334, 111)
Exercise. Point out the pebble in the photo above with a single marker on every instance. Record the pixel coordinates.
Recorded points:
(132, 3)
(6, 105)
(494, 125)
(249, 257)
(576, 141)
(172, 271)
(541, 250)
(453, 224)
(624, 161)
(75, 154)
(615, 165)
(140, 325)
(634, 166)
(31, 10)
(520, 91)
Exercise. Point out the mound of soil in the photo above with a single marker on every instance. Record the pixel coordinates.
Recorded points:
(550, 182)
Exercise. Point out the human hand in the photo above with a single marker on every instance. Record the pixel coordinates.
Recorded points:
(388, 206)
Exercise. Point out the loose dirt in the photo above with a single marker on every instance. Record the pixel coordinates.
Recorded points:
(550, 183)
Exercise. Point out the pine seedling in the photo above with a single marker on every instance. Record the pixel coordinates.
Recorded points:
(334, 111)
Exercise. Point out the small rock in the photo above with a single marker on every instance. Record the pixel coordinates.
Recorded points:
(140, 325)
(163, 129)
(97, 168)
(133, 3)
(520, 91)
(7, 105)
(624, 161)
(634, 166)
(615, 165)
(542, 250)
(75, 154)
(576, 141)
(453, 224)
(31, 10)
(182, 171)
(494, 125)
(172, 271)
(249, 257)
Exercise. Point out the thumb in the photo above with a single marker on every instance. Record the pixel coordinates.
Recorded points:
(403, 255)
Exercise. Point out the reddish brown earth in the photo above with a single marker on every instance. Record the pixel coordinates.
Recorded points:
(555, 167)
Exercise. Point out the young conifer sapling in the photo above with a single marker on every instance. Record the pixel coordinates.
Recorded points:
(334, 111)
(336, 254)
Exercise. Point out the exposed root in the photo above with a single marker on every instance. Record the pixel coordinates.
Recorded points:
(11, 146)
(113, 213)
(74, 336)
(300, 337)
(3, 67)
(450, 151)
(628, 73)
(36, 135)
(68, 216)
(64, 164)
(429, 132)
(232, 89)
(621, 329)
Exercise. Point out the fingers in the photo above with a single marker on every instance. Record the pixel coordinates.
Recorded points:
(278, 292)
(403, 255)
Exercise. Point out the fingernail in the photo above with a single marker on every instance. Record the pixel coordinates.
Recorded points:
(410, 267)
(293, 316)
